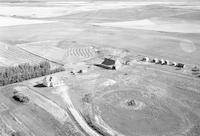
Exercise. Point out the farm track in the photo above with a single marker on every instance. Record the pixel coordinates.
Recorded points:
(62, 91)
(72, 112)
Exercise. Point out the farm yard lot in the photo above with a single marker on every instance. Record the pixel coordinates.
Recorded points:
(140, 99)
(161, 93)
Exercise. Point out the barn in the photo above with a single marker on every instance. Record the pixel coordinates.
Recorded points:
(107, 64)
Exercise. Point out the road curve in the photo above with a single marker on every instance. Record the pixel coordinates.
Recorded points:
(63, 92)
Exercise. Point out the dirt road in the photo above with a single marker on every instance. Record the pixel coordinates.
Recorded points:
(62, 91)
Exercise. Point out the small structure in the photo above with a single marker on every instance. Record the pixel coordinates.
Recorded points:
(51, 81)
(173, 64)
(167, 62)
(94, 48)
(195, 69)
(118, 64)
(162, 62)
(155, 60)
(107, 64)
(180, 65)
(145, 59)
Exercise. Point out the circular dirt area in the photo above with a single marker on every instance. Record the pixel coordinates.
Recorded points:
(146, 116)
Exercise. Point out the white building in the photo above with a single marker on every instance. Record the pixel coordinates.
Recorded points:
(155, 60)
(162, 61)
(167, 62)
(118, 64)
(52, 81)
(146, 59)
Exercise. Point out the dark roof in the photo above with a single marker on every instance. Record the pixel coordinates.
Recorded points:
(180, 65)
(108, 62)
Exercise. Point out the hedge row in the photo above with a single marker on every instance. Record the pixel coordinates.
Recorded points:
(14, 74)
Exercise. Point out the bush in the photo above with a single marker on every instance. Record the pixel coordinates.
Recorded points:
(19, 97)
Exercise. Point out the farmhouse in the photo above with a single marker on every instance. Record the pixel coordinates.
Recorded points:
(107, 64)
(51, 81)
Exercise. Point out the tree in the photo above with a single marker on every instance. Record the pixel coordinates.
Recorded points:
(26, 71)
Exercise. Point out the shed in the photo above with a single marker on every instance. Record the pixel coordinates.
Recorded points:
(155, 60)
(180, 65)
(108, 62)
(162, 61)
(195, 69)
(173, 63)
(51, 81)
(167, 62)
(146, 59)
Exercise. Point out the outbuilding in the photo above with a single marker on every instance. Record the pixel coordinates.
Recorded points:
(162, 61)
(167, 62)
(107, 64)
(155, 60)
(173, 63)
(146, 59)
(51, 81)
(118, 64)
(180, 65)
(195, 69)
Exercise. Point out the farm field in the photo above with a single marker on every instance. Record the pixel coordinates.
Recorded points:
(40, 116)
(11, 56)
(59, 55)
(130, 97)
